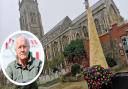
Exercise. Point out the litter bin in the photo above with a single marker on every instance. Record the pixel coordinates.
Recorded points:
(120, 80)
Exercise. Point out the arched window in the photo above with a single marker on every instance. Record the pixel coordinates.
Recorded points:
(77, 36)
(85, 31)
(48, 53)
(55, 48)
(21, 22)
(114, 15)
(98, 28)
(65, 41)
(33, 18)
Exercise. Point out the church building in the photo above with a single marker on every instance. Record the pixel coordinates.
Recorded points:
(105, 14)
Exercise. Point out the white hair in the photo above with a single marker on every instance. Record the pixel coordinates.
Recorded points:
(23, 37)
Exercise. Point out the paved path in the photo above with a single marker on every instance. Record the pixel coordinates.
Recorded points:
(49, 86)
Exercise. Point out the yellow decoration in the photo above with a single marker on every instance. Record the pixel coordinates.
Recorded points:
(96, 52)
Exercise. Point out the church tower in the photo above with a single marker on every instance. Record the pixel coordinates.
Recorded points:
(30, 19)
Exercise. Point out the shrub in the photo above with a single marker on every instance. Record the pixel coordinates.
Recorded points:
(75, 69)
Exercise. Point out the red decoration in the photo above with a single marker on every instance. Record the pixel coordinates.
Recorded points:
(97, 76)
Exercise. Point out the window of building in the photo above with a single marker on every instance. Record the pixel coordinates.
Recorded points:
(55, 48)
(85, 30)
(22, 21)
(125, 43)
(113, 14)
(33, 18)
(48, 53)
(77, 36)
(65, 41)
(98, 28)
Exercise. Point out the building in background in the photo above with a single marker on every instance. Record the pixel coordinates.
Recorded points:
(30, 18)
(105, 14)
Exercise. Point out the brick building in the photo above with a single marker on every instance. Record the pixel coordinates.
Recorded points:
(115, 43)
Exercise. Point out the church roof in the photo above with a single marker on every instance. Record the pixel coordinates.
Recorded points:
(99, 3)
(58, 25)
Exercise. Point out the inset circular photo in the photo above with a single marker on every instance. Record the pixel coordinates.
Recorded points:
(22, 58)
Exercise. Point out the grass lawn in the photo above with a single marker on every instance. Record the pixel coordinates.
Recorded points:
(71, 85)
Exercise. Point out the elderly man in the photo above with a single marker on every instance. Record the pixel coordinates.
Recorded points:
(25, 67)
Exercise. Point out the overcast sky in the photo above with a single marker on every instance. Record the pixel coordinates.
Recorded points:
(52, 11)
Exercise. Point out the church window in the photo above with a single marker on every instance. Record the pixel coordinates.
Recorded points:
(85, 31)
(48, 53)
(125, 43)
(77, 36)
(55, 48)
(33, 18)
(22, 21)
(65, 41)
(113, 14)
(98, 28)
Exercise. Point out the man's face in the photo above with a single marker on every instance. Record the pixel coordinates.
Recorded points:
(22, 48)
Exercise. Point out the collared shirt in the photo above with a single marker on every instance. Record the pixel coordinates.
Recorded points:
(23, 75)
